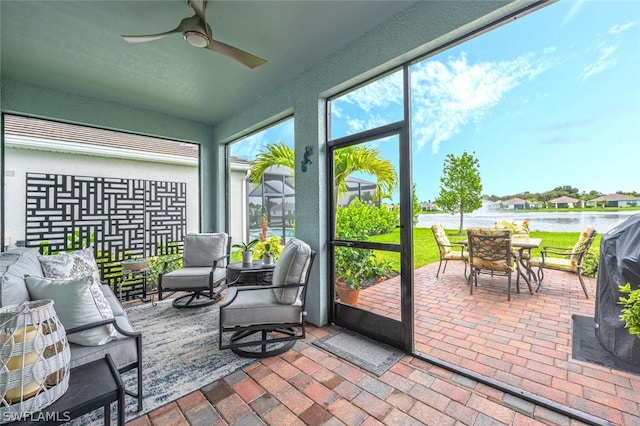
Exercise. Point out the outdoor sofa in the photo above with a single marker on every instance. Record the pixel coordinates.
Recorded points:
(123, 343)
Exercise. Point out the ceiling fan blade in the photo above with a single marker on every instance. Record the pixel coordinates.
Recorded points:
(184, 24)
(241, 56)
(199, 7)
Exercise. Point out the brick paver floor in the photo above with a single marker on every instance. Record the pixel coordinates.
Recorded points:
(525, 343)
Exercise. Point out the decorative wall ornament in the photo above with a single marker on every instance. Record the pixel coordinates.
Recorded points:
(121, 218)
(306, 157)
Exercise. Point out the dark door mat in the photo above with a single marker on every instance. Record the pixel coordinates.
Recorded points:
(587, 347)
(368, 354)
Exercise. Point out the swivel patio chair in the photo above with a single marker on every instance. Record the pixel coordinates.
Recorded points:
(261, 321)
(205, 258)
(490, 253)
(567, 259)
(448, 250)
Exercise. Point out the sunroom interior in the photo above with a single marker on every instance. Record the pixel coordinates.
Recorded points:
(66, 61)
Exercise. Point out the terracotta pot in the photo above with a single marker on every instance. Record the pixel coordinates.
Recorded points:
(347, 295)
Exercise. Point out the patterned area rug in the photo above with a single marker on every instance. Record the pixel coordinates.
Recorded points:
(368, 354)
(180, 355)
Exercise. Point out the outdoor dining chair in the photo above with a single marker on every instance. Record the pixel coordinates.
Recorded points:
(490, 253)
(567, 259)
(448, 250)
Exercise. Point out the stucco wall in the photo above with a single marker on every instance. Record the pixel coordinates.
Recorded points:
(18, 162)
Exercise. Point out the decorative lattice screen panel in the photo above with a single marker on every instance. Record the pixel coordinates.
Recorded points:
(120, 218)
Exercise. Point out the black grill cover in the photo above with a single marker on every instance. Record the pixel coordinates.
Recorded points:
(619, 264)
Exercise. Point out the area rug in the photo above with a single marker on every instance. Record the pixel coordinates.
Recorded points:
(366, 353)
(587, 347)
(180, 355)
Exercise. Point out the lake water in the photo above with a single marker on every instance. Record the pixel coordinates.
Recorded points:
(538, 221)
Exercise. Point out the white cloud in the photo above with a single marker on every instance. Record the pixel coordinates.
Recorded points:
(617, 29)
(447, 96)
(379, 101)
(604, 61)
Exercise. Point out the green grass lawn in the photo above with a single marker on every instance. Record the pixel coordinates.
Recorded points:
(426, 249)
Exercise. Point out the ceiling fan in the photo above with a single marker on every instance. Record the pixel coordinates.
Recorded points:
(197, 33)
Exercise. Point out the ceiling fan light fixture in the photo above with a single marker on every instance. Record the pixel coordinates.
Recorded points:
(196, 39)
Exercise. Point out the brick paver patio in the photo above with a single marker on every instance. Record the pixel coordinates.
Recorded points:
(525, 343)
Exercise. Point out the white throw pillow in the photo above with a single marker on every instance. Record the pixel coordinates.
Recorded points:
(78, 264)
(74, 304)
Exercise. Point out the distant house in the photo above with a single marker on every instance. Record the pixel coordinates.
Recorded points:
(515, 204)
(490, 205)
(428, 206)
(565, 202)
(615, 200)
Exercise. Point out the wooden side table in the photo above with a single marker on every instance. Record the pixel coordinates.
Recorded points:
(91, 386)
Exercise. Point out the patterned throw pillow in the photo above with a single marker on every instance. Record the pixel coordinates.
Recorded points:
(78, 264)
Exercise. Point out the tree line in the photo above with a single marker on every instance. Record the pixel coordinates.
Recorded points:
(559, 191)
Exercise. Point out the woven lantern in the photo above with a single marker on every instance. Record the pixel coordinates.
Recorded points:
(34, 357)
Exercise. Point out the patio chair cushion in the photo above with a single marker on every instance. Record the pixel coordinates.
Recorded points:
(193, 277)
(14, 266)
(456, 255)
(291, 268)
(122, 349)
(560, 264)
(580, 246)
(200, 249)
(75, 305)
(443, 241)
(256, 307)
(518, 228)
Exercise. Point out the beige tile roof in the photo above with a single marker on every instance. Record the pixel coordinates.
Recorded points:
(64, 132)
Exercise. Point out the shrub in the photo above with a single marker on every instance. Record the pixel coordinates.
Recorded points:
(631, 311)
(590, 262)
(365, 219)
(357, 222)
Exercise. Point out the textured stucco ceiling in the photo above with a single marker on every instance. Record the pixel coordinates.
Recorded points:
(75, 46)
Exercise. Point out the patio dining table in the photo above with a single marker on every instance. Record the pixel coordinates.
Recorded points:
(523, 244)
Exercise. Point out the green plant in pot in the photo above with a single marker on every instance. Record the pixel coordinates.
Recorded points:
(269, 249)
(631, 311)
(348, 284)
(247, 250)
(267, 254)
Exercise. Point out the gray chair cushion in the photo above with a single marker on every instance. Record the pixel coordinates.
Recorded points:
(123, 349)
(256, 307)
(193, 277)
(13, 267)
(203, 249)
(291, 269)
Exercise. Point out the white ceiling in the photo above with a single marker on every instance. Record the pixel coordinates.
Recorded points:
(76, 46)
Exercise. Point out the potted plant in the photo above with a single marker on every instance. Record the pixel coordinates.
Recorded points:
(267, 254)
(348, 285)
(247, 250)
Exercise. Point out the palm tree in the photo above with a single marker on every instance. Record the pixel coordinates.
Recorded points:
(347, 160)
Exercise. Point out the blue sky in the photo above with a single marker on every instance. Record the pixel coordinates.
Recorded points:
(550, 99)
